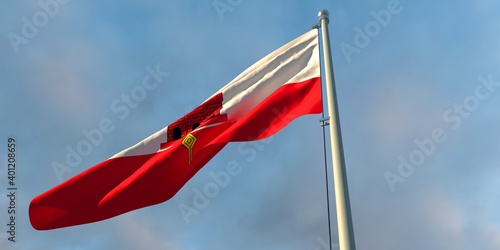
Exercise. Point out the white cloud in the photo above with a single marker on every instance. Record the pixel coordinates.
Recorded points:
(136, 233)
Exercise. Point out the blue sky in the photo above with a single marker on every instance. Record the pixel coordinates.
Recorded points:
(418, 96)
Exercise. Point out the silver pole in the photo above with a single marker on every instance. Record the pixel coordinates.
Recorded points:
(344, 219)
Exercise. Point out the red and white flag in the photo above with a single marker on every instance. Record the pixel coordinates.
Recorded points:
(258, 103)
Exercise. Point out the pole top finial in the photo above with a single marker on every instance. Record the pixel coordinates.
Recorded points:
(323, 14)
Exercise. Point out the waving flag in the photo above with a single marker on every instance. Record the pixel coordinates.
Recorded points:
(258, 103)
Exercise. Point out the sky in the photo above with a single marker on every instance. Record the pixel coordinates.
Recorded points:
(418, 88)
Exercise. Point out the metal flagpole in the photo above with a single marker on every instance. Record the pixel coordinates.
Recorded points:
(344, 219)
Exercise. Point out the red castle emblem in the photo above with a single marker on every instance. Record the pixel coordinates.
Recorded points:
(205, 114)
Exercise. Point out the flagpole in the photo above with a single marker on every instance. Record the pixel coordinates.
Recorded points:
(343, 207)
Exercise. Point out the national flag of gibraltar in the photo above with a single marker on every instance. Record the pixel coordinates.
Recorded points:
(258, 103)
